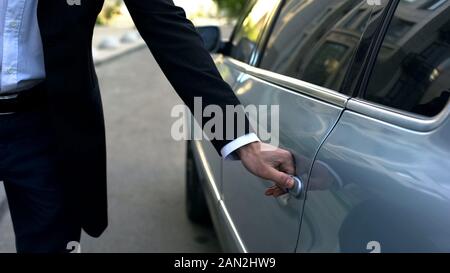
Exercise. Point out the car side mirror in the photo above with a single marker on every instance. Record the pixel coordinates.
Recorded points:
(212, 37)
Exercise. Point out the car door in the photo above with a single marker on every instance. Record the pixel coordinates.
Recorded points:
(308, 110)
(252, 21)
(207, 154)
(381, 180)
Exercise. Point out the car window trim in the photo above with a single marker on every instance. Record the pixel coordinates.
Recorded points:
(404, 119)
(267, 31)
(305, 88)
(255, 56)
(241, 19)
(380, 36)
(358, 66)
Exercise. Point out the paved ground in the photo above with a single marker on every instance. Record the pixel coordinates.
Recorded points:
(113, 36)
(146, 167)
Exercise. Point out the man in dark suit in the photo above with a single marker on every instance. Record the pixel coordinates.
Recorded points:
(52, 136)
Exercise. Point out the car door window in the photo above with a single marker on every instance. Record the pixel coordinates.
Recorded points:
(315, 40)
(247, 35)
(412, 70)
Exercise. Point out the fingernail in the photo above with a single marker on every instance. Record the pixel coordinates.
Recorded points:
(291, 183)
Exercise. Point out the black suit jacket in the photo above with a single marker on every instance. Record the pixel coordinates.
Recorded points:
(74, 96)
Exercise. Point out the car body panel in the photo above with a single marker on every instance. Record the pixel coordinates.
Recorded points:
(377, 182)
(229, 74)
(209, 166)
(304, 122)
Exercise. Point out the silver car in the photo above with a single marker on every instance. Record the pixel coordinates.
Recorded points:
(363, 89)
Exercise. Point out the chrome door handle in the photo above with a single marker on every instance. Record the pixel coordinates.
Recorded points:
(296, 191)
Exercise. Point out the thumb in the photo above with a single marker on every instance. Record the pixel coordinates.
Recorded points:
(281, 179)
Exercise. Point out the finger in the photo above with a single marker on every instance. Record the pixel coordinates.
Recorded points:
(287, 168)
(280, 179)
(278, 192)
(287, 164)
(270, 191)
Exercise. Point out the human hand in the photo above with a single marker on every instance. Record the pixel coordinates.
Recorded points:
(271, 163)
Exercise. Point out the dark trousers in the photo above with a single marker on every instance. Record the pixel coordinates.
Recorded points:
(41, 217)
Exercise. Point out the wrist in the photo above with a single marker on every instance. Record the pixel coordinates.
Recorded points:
(252, 147)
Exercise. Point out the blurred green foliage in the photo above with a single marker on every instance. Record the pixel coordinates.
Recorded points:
(109, 11)
(231, 8)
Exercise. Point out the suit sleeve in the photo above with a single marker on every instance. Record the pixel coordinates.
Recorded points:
(180, 52)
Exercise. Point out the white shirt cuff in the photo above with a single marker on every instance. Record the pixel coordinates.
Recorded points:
(227, 150)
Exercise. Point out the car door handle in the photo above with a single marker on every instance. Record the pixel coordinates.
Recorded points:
(296, 191)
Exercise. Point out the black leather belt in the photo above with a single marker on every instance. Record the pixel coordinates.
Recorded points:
(23, 101)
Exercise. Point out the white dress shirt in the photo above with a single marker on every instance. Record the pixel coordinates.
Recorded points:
(21, 54)
(22, 57)
(227, 150)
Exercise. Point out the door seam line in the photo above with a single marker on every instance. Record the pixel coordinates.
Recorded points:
(311, 169)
